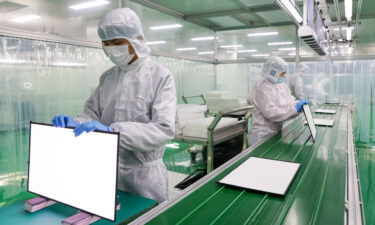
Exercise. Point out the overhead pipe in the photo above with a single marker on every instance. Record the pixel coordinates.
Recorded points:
(359, 8)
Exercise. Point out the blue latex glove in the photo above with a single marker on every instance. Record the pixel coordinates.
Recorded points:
(63, 121)
(300, 104)
(90, 126)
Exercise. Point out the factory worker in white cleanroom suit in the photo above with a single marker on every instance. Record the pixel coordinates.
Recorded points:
(137, 98)
(296, 82)
(272, 101)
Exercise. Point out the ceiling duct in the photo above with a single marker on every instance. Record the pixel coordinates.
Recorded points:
(310, 37)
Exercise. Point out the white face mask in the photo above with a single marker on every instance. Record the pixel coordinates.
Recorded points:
(119, 54)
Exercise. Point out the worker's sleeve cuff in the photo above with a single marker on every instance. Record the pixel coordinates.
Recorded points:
(82, 119)
(114, 127)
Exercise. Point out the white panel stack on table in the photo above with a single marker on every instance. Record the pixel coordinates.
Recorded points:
(191, 121)
(186, 113)
(220, 101)
(198, 127)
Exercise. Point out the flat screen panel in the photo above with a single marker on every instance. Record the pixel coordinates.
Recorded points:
(266, 175)
(77, 171)
(323, 122)
(326, 111)
(310, 121)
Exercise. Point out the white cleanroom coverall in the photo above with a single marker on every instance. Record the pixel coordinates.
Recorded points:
(296, 82)
(139, 101)
(272, 101)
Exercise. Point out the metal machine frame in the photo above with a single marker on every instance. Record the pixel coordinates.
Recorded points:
(185, 98)
(216, 136)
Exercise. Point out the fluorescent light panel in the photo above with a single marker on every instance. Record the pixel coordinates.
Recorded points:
(292, 10)
(260, 55)
(25, 18)
(86, 5)
(186, 49)
(263, 34)
(163, 27)
(349, 34)
(155, 42)
(337, 28)
(205, 53)
(69, 64)
(348, 9)
(59, 63)
(247, 50)
(11, 61)
(301, 53)
(287, 49)
(230, 46)
(203, 38)
(279, 43)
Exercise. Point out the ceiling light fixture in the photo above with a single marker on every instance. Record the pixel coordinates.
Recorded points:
(348, 9)
(287, 49)
(279, 43)
(349, 33)
(69, 64)
(301, 53)
(292, 11)
(163, 27)
(186, 49)
(203, 38)
(247, 50)
(25, 18)
(205, 53)
(230, 46)
(86, 5)
(11, 61)
(338, 28)
(260, 55)
(155, 42)
(263, 34)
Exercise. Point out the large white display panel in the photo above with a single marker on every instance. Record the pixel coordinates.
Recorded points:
(77, 171)
(261, 174)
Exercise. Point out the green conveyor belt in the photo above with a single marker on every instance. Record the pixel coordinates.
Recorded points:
(316, 196)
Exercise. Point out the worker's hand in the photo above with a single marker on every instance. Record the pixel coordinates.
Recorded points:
(300, 104)
(63, 121)
(90, 126)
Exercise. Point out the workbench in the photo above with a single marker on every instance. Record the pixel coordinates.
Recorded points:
(324, 191)
(132, 206)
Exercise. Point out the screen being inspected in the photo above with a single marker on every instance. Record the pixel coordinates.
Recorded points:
(77, 171)
(310, 121)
